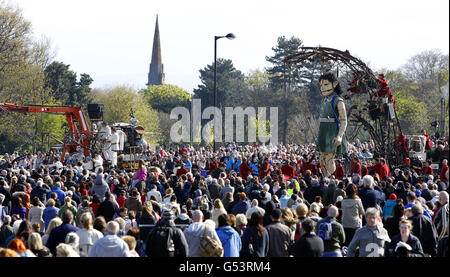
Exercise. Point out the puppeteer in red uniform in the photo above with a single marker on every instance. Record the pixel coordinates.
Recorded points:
(384, 91)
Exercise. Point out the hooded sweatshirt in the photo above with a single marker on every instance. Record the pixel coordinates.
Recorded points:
(100, 187)
(110, 246)
(231, 241)
(254, 208)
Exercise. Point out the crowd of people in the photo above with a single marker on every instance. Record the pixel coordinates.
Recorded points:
(250, 201)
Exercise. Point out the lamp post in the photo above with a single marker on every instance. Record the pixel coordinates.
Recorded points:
(229, 36)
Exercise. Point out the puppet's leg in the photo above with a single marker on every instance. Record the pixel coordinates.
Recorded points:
(327, 163)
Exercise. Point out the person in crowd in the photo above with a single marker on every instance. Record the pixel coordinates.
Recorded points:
(131, 242)
(218, 209)
(107, 207)
(229, 238)
(280, 236)
(6, 230)
(64, 250)
(194, 232)
(36, 212)
(255, 238)
(20, 248)
(84, 208)
(59, 233)
(404, 244)
(87, 234)
(241, 223)
(37, 247)
(165, 240)
(183, 217)
(424, 229)
(110, 245)
(370, 239)
(309, 244)
(242, 205)
(331, 232)
(68, 206)
(133, 203)
(352, 212)
(49, 212)
(392, 222)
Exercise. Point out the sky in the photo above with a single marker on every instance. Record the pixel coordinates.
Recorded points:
(111, 40)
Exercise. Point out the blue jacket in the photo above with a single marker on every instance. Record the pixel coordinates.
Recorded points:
(240, 207)
(284, 200)
(48, 214)
(236, 166)
(59, 192)
(230, 163)
(58, 235)
(371, 198)
(388, 208)
(425, 212)
(231, 241)
(255, 168)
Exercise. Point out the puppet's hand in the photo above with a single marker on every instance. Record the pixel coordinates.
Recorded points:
(337, 141)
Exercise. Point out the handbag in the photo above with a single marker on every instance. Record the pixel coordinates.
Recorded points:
(210, 247)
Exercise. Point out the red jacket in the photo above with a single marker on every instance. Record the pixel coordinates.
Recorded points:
(264, 170)
(94, 207)
(442, 174)
(244, 170)
(121, 201)
(288, 171)
(386, 171)
(213, 166)
(339, 172)
(355, 168)
(379, 169)
(182, 171)
(384, 90)
(427, 170)
(364, 171)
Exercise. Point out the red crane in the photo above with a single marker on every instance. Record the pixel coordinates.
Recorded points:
(76, 120)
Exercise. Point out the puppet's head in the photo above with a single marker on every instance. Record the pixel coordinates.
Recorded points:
(329, 84)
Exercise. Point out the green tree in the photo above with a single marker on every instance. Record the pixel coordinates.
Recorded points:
(411, 114)
(227, 79)
(166, 97)
(294, 89)
(279, 73)
(22, 62)
(410, 110)
(65, 86)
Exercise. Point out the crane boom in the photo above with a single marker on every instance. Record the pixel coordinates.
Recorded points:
(81, 134)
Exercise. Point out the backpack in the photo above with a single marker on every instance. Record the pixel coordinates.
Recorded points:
(298, 230)
(160, 242)
(326, 230)
(210, 247)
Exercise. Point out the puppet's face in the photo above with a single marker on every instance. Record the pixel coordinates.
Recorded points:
(327, 87)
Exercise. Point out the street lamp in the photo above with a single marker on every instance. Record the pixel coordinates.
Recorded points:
(229, 36)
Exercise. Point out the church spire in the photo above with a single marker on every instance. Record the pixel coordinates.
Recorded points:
(156, 74)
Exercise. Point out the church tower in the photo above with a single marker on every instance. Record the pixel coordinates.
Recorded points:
(156, 74)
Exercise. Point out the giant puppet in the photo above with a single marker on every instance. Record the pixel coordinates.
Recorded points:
(333, 123)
